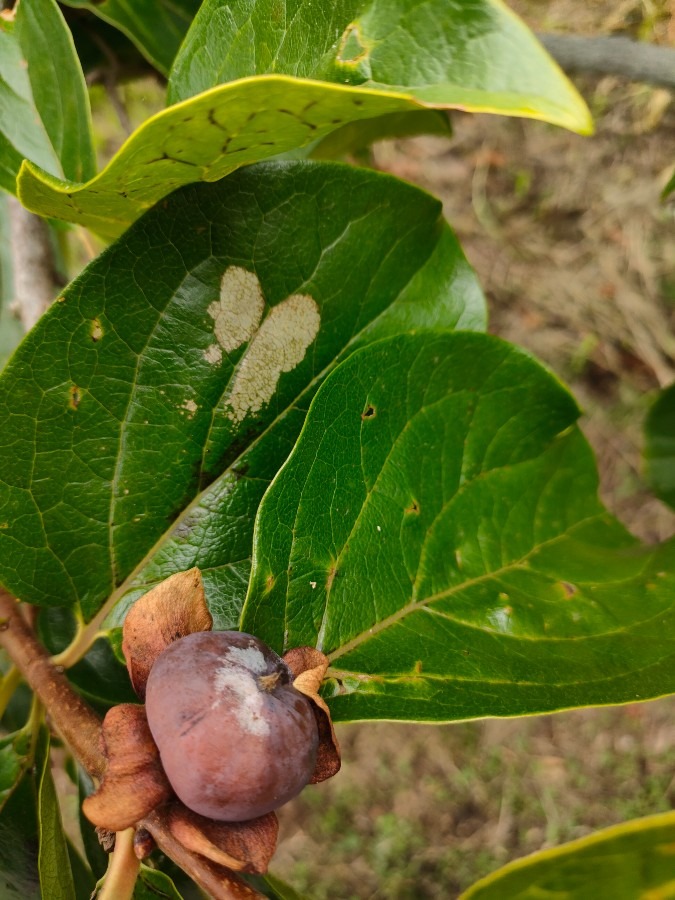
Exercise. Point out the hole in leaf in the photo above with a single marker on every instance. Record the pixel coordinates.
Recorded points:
(369, 412)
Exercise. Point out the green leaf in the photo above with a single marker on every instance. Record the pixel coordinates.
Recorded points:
(84, 881)
(101, 679)
(157, 27)
(627, 861)
(19, 843)
(139, 430)
(152, 884)
(44, 109)
(203, 139)
(477, 57)
(659, 451)
(357, 135)
(437, 533)
(669, 188)
(14, 759)
(56, 877)
(274, 888)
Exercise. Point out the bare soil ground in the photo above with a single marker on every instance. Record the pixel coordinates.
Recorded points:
(577, 257)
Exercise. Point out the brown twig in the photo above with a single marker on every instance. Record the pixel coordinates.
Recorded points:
(613, 55)
(75, 721)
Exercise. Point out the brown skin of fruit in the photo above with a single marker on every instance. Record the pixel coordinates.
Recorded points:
(235, 738)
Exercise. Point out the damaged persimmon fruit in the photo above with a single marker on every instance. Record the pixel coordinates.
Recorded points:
(236, 739)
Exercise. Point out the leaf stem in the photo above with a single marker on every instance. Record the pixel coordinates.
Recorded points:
(123, 869)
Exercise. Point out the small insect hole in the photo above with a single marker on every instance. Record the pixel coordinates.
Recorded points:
(369, 412)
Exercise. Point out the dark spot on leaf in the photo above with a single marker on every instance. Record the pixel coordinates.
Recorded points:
(369, 412)
(413, 508)
(568, 589)
(75, 396)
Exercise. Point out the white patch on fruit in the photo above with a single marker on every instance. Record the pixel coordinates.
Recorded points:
(278, 347)
(249, 658)
(248, 708)
(237, 313)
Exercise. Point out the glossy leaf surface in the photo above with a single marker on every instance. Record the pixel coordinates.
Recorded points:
(34, 860)
(152, 884)
(496, 66)
(56, 877)
(629, 861)
(14, 759)
(659, 451)
(44, 108)
(476, 56)
(437, 533)
(19, 843)
(144, 416)
(157, 27)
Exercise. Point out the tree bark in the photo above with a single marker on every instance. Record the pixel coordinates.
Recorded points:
(35, 278)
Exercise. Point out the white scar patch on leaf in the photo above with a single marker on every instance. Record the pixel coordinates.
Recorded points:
(213, 354)
(237, 313)
(279, 346)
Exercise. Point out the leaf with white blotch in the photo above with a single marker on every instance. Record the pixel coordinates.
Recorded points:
(44, 108)
(436, 533)
(625, 862)
(253, 83)
(144, 416)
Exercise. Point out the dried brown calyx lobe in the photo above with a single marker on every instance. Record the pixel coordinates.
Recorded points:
(236, 739)
(173, 609)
